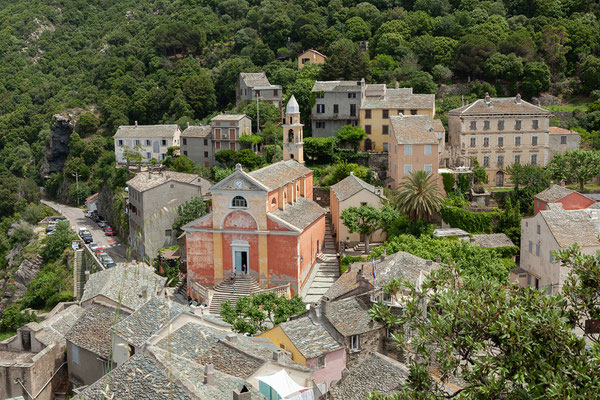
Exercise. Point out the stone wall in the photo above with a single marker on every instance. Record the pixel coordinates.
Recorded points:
(369, 342)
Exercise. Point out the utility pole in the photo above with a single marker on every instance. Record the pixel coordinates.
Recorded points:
(77, 183)
(257, 116)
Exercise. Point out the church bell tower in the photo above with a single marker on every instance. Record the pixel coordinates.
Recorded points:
(293, 139)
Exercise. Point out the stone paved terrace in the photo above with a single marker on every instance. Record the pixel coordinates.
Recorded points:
(15, 357)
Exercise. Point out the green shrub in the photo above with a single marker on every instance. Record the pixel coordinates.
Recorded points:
(347, 260)
(13, 318)
(448, 181)
(472, 222)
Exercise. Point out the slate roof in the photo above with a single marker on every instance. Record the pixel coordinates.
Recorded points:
(337, 86)
(147, 320)
(350, 317)
(499, 106)
(124, 284)
(228, 117)
(376, 373)
(300, 214)
(573, 226)
(279, 174)
(144, 181)
(554, 193)
(413, 129)
(492, 240)
(255, 79)
(54, 328)
(555, 130)
(351, 185)
(200, 131)
(438, 126)
(146, 131)
(312, 340)
(399, 99)
(313, 51)
(92, 330)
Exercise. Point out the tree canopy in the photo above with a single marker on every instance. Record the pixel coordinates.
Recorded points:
(188, 212)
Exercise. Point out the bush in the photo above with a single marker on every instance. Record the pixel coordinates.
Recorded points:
(13, 318)
(472, 222)
(55, 245)
(448, 181)
(347, 260)
(464, 183)
(404, 226)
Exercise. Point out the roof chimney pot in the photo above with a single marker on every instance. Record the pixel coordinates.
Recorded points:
(136, 124)
(209, 375)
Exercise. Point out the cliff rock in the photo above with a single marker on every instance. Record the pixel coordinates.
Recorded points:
(57, 149)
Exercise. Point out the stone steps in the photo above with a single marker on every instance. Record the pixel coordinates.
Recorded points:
(244, 285)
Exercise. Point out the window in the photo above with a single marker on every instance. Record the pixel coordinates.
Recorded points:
(206, 142)
(518, 125)
(534, 140)
(218, 145)
(167, 232)
(395, 148)
(353, 110)
(351, 95)
(184, 141)
(321, 362)
(536, 124)
(517, 159)
(473, 142)
(385, 147)
(428, 168)
(413, 112)
(305, 60)
(385, 129)
(275, 92)
(148, 155)
(385, 114)
(386, 298)
(320, 95)
(407, 169)
(137, 142)
(500, 161)
(501, 125)
(75, 353)
(486, 161)
(367, 114)
(217, 133)
(206, 154)
(185, 153)
(336, 108)
(537, 249)
(537, 283)
(534, 159)
(473, 125)
(231, 133)
(239, 201)
(486, 142)
(517, 140)
(257, 93)
(551, 258)
(121, 142)
(486, 125)
(320, 108)
(530, 246)
(368, 129)
(500, 141)
(163, 156)
(427, 150)
(163, 142)
(563, 140)
(320, 124)
(148, 142)
(408, 149)
(538, 228)
(355, 342)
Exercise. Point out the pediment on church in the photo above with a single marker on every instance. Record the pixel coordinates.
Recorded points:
(239, 180)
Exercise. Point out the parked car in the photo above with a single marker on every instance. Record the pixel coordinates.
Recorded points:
(88, 214)
(94, 246)
(52, 232)
(87, 238)
(99, 250)
(109, 231)
(102, 224)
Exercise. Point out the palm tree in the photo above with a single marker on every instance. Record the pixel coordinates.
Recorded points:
(418, 196)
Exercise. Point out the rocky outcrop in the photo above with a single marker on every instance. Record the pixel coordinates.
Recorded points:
(15, 288)
(57, 150)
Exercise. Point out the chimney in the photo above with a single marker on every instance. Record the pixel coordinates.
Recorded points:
(188, 124)
(518, 98)
(242, 394)
(429, 262)
(278, 354)
(136, 124)
(352, 173)
(397, 85)
(488, 99)
(209, 375)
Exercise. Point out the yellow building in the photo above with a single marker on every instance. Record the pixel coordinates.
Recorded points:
(310, 56)
(379, 103)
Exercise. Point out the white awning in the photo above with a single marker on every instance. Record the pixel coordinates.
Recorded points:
(282, 383)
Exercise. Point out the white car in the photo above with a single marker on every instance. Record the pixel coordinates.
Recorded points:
(93, 246)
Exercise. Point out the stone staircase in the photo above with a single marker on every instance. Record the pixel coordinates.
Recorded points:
(244, 285)
(326, 270)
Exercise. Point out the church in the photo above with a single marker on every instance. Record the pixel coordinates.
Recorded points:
(263, 223)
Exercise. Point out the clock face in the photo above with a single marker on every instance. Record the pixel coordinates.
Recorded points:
(239, 184)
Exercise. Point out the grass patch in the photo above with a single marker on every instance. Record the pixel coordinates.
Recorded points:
(347, 260)
(501, 189)
(6, 335)
(567, 108)
(588, 186)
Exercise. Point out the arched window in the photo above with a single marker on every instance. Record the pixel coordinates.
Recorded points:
(239, 201)
(274, 201)
(291, 136)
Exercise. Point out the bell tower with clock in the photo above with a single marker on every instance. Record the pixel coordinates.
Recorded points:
(293, 140)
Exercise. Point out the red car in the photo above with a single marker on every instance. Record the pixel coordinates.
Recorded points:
(109, 231)
(99, 250)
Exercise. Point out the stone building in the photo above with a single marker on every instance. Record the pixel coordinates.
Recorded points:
(33, 360)
(570, 199)
(197, 144)
(562, 140)
(227, 130)
(380, 103)
(153, 201)
(415, 145)
(337, 104)
(253, 85)
(293, 137)
(353, 192)
(310, 56)
(499, 132)
(150, 141)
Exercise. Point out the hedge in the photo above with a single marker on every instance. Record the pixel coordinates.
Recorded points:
(472, 222)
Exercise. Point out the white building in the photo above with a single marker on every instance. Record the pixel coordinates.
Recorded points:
(151, 141)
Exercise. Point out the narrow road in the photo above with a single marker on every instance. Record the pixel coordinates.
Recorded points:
(112, 244)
